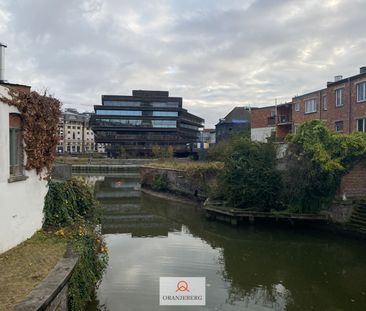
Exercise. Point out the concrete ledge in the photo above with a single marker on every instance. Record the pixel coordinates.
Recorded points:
(51, 293)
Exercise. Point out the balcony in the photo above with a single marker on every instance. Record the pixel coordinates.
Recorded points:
(284, 120)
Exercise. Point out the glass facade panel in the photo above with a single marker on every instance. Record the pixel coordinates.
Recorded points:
(164, 124)
(165, 113)
(118, 113)
(116, 103)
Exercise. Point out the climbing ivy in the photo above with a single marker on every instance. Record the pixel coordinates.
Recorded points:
(40, 115)
(71, 212)
(317, 159)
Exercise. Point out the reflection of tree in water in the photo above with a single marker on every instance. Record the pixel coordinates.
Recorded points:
(278, 269)
(276, 297)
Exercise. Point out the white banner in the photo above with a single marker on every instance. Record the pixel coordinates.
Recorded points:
(182, 291)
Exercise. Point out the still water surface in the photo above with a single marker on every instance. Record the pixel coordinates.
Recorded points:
(247, 268)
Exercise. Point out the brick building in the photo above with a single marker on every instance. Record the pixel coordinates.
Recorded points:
(341, 104)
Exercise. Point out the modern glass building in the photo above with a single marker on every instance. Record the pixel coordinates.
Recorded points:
(144, 120)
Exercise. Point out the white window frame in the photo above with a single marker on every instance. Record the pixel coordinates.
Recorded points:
(310, 106)
(363, 125)
(297, 106)
(339, 97)
(325, 102)
(361, 85)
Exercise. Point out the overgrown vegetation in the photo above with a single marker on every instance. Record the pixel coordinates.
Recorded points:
(250, 178)
(72, 213)
(160, 182)
(163, 152)
(317, 159)
(40, 115)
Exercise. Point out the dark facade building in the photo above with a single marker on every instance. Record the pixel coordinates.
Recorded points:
(144, 120)
(236, 122)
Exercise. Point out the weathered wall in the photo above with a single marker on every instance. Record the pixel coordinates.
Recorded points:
(195, 186)
(341, 211)
(353, 184)
(261, 134)
(21, 201)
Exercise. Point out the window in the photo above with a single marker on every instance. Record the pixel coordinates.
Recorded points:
(119, 112)
(164, 123)
(165, 113)
(361, 92)
(339, 126)
(297, 106)
(339, 97)
(325, 103)
(16, 145)
(361, 125)
(273, 114)
(310, 106)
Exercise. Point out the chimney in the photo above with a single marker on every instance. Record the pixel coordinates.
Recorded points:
(338, 78)
(2, 62)
(363, 69)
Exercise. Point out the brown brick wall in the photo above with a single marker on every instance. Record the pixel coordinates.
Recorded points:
(260, 117)
(358, 109)
(348, 113)
(353, 184)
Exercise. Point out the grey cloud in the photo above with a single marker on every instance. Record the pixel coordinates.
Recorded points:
(215, 54)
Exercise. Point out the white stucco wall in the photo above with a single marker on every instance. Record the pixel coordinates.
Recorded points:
(21, 202)
(261, 134)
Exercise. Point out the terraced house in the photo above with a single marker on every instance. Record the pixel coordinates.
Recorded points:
(341, 104)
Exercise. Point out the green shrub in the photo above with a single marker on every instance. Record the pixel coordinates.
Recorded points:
(160, 182)
(69, 201)
(250, 178)
(72, 212)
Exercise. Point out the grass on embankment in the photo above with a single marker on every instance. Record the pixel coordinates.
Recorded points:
(186, 165)
(26, 265)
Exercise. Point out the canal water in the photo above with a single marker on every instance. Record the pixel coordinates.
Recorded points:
(259, 267)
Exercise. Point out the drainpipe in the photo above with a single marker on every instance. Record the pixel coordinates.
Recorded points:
(320, 104)
(350, 106)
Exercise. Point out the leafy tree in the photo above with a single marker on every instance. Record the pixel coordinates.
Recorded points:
(250, 178)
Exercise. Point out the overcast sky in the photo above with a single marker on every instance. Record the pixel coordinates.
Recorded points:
(214, 54)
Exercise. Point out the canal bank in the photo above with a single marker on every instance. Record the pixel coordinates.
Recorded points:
(343, 216)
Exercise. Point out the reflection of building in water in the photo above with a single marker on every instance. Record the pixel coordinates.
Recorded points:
(121, 200)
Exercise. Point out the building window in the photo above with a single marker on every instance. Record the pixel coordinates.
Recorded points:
(297, 106)
(339, 126)
(339, 97)
(361, 92)
(325, 103)
(119, 112)
(310, 106)
(165, 113)
(16, 145)
(361, 125)
(273, 114)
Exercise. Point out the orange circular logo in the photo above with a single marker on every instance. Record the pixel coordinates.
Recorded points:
(182, 286)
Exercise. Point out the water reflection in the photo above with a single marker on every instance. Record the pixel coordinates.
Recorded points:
(247, 268)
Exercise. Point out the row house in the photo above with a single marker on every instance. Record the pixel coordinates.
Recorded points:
(75, 134)
(341, 105)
